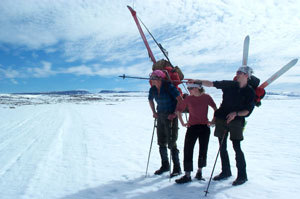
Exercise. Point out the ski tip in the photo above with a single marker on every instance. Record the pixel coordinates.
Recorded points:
(293, 62)
(131, 10)
(247, 37)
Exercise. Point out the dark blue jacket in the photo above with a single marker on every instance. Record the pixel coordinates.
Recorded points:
(166, 100)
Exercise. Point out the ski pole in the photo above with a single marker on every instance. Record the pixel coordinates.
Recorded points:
(212, 172)
(126, 76)
(148, 78)
(171, 127)
(150, 147)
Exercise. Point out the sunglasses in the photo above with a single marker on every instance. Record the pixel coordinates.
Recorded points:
(240, 73)
(154, 78)
(190, 88)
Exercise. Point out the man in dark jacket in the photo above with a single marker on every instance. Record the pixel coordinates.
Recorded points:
(237, 103)
(166, 96)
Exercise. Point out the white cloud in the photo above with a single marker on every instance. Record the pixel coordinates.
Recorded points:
(44, 71)
(78, 70)
(97, 70)
(87, 26)
(10, 73)
(199, 35)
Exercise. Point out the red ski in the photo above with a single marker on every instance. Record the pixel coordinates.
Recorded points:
(133, 13)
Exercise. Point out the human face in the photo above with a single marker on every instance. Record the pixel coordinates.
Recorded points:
(241, 77)
(156, 81)
(192, 90)
(240, 73)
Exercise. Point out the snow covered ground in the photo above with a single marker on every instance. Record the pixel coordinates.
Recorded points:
(96, 146)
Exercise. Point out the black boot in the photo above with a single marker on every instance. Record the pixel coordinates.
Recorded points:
(199, 176)
(176, 171)
(183, 179)
(239, 181)
(164, 168)
(175, 158)
(222, 176)
(241, 178)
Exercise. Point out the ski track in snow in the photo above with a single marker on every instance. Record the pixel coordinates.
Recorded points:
(99, 150)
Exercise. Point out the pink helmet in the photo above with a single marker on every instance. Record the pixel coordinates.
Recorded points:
(158, 73)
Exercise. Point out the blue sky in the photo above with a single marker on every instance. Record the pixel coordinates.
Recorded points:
(74, 44)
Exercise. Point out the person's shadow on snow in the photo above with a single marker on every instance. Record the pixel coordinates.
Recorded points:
(152, 187)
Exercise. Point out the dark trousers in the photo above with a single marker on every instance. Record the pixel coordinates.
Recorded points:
(239, 157)
(167, 131)
(167, 134)
(202, 133)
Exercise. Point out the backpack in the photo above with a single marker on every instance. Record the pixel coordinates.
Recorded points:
(174, 74)
(259, 92)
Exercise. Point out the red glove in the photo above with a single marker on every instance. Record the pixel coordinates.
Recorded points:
(260, 93)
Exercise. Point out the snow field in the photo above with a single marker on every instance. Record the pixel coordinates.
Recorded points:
(99, 150)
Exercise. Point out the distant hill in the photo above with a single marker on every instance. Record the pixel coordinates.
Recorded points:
(112, 91)
(71, 92)
(289, 94)
(75, 92)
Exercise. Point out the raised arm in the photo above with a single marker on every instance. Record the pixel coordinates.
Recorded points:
(206, 83)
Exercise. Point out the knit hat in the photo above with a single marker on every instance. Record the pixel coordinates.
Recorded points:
(158, 73)
(246, 69)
